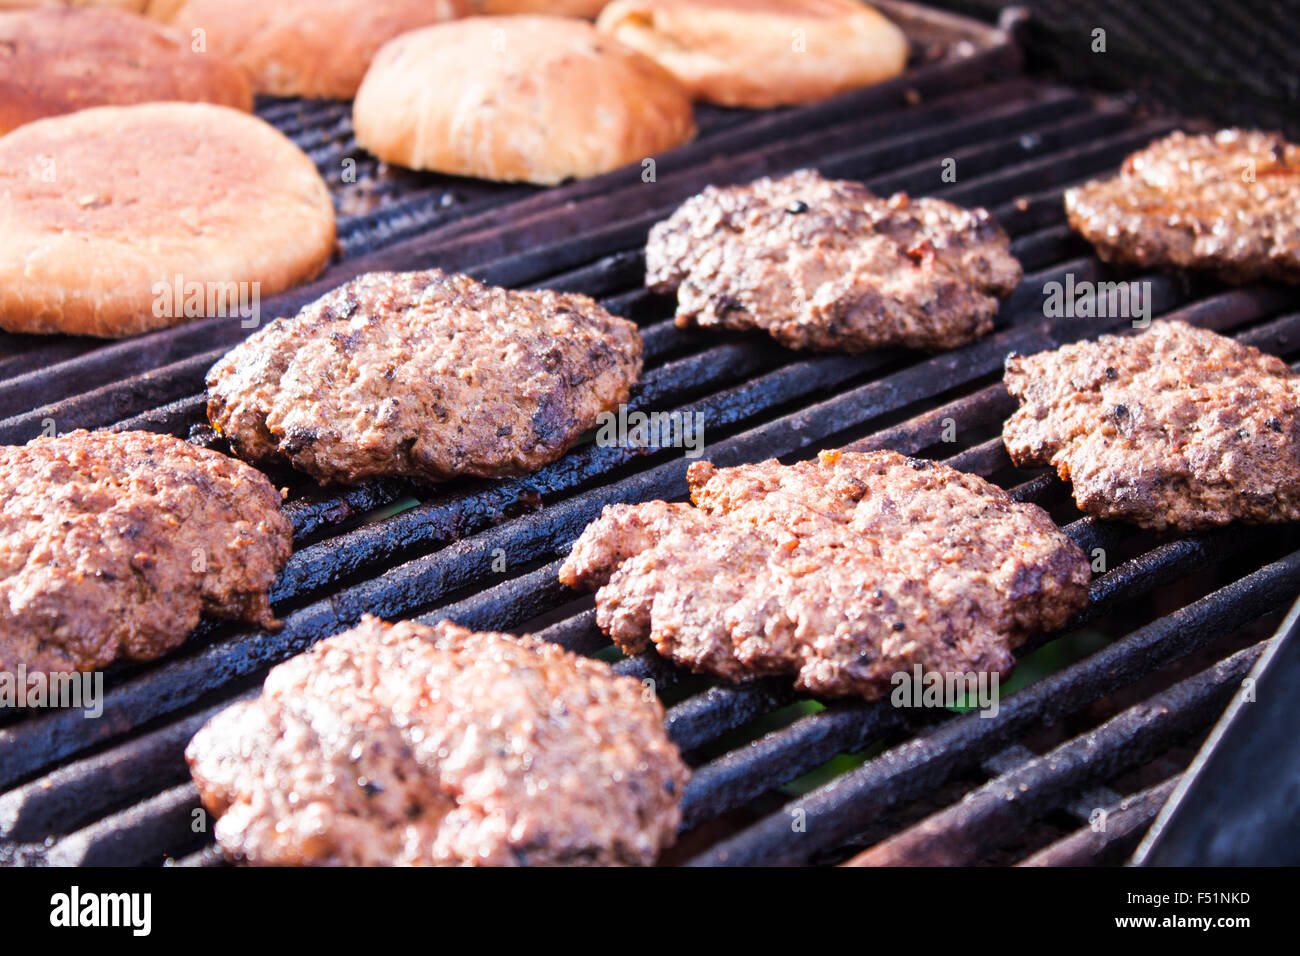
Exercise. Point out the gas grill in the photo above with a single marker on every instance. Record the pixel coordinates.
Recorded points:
(1106, 714)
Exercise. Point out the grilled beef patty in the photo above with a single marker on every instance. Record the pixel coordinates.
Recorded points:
(113, 544)
(425, 375)
(405, 744)
(1225, 203)
(1175, 427)
(843, 571)
(824, 264)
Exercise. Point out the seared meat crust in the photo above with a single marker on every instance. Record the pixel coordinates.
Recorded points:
(1225, 203)
(1177, 427)
(113, 544)
(410, 745)
(426, 375)
(824, 264)
(842, 571)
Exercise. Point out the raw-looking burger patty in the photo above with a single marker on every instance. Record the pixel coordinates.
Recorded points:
(1175, 427)
(425, 375)
(1226, 203)
(824, 264)
(842, 571)
(113, 544)
(408, 745)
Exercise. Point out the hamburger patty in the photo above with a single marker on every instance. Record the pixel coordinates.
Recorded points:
(405, 744)
(426, 375)
(1226, 203)
(843, 571)
(113, 544)
(1175, 427)
(824, 264)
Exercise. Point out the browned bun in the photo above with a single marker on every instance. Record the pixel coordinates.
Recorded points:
(62, 59)
(314, 48)
(524, 99)
(99, 207)
(761, 53)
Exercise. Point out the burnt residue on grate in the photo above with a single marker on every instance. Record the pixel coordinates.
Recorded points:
(115, 790)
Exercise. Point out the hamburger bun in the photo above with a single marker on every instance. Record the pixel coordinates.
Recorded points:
(761, 53)
(312, 48)
(62, 59)
(111, 217)
(518, 99)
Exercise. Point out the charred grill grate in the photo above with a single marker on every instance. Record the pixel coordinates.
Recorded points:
(1175, 620)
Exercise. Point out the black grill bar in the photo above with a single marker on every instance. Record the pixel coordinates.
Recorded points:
(209, 856)
(18, 353)
(1079, 804)
(134, 837)
(1003, 808)
(1126, 821)
(82, 791)
(110, 403)
(706, 716)
(578, 633)
(740, 776)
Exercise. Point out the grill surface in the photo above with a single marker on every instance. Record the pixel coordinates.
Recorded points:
(1226, 59)
(1174, 623)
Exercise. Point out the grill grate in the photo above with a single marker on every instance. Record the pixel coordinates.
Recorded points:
(115, 790)
(1228, 61)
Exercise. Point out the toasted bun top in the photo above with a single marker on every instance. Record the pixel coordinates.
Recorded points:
(99, 206)
(61, 59)
(525, 98)
(314, 48)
